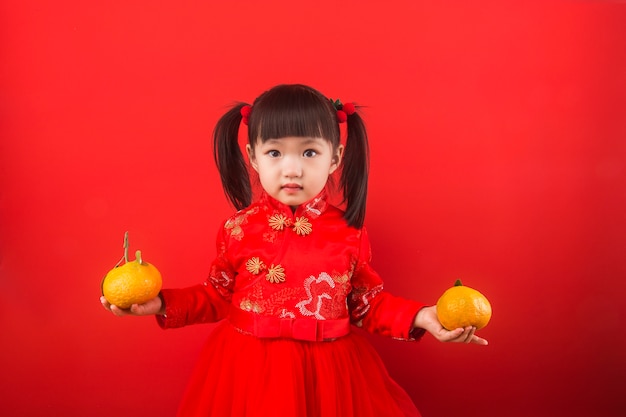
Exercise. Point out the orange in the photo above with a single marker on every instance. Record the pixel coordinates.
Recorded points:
(131, 283)
(462, 306)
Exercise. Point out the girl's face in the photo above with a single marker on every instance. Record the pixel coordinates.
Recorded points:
(293, 170)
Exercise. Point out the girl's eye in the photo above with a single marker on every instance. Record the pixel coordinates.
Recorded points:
(309, 153)
(273, 153)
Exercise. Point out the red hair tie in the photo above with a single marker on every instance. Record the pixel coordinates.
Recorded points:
(245, 113)
(343, 110)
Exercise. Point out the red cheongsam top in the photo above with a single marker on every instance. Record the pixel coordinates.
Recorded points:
(302, 274)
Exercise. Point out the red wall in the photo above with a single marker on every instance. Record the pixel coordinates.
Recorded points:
(498, 156)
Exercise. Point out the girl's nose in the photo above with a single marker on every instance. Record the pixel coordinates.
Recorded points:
(292, 167)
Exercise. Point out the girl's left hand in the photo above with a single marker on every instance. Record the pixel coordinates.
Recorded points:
(153, 306)
(427, 319)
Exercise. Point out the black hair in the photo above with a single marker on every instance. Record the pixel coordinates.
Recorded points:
(293, 110)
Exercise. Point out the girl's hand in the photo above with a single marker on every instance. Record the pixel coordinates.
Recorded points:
(154, 306)
(427, 319)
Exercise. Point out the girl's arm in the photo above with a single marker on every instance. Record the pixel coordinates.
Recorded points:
(380, 312)
(178, 307)
(374, 309)
(192, 305)
(204, 303)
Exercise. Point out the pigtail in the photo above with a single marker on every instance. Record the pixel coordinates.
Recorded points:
(355, 171)
(229, 159)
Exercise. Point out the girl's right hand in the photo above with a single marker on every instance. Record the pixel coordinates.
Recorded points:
(427, 319)
(154, 306)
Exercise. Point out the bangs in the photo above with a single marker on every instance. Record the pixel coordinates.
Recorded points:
(293, 110)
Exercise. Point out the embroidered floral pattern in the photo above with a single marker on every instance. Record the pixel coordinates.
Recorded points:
(286, 314)
(278, 221)
(316, 294)
(361, 297)
(275, 274)
(315, 207)
(270, 236)
(302, 226)
(233, 225)
(341, 279)
(255, 265)
(222, 280)
(248, 305)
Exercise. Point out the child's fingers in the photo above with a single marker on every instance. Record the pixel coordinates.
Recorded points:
(105, 303)
(469, 334)
(479, 341)
(112, 308)
(452, 335)
(118, 311)
(148, 308)
(461, 335)
(139, 309)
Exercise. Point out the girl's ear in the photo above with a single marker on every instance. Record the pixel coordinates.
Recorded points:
(252, 158)
(336, 161)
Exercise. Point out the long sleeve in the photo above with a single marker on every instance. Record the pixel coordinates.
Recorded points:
(203, 303)
(376, 310)
(192, 305)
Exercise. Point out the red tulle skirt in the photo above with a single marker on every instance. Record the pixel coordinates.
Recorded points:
(240, 375)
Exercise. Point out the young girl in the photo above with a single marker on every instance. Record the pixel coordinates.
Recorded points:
(292, 275)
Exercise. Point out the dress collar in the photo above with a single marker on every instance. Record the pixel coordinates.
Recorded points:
(311, 209)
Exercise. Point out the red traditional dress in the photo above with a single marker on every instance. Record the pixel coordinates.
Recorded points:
(287, 287)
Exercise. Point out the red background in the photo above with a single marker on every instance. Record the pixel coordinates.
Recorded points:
(498, 156)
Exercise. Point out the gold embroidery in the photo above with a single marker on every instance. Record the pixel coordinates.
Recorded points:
(341, 279)
(278, 221)
(248, 305)
(302, 226)
(255, 265)
(276, 274)
(236, 232)
(233, 225)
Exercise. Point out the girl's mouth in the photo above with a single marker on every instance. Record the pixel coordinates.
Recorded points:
(291, 188)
